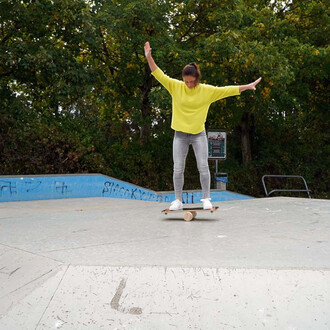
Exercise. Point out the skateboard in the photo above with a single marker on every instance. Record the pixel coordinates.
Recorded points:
(191, 212)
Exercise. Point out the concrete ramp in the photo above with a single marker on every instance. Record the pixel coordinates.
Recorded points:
(115, 264)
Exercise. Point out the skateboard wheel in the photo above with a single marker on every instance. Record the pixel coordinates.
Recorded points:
(188, 216)
(194, 213)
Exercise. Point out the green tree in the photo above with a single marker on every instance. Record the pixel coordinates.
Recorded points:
(44, 78)
(77, 95)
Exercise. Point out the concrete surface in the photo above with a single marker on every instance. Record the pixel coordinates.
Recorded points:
(96, 263)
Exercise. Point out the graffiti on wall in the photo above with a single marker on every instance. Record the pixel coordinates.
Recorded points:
(110, 188)
(114, 189)
(10, 188)
(61, 187)
(32, 188)
(7, 187)
(47, 187)
(17, 188)
(31, 185)
(187, 197)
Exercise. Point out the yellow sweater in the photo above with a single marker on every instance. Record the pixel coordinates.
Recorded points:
(191, 105)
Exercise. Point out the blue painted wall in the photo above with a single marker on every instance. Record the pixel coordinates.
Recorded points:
(37, 187)
(192, 197)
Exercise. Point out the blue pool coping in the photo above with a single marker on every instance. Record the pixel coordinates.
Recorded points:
(59, 186)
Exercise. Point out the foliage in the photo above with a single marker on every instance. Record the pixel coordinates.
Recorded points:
(76, 92)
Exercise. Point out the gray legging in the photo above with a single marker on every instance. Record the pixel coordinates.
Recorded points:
(181, 143)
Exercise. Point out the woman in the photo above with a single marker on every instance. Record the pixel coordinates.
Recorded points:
(190, 104)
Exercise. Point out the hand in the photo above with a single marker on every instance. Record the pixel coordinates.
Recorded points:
(147, 53)
(147, 49)
(253, 85)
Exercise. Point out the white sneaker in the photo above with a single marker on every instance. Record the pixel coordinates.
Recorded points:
(206, 203)
(176, 205)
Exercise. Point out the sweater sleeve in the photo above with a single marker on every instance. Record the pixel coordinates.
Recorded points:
(218, 93)
(166, 81)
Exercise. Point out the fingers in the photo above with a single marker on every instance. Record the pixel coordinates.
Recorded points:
(258, 81)
(147, 49)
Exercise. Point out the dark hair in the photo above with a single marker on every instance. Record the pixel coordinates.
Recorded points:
(192, 70)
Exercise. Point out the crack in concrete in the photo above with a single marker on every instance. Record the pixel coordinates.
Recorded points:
(14, 271)
(52, 297)
(29, 252)
(103, 244)
(35, 279)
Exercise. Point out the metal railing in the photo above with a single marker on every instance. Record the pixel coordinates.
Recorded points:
(285, 190)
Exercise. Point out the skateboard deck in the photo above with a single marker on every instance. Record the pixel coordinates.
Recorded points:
(189, 213)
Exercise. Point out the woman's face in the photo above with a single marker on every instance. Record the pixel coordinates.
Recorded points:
(190, 81)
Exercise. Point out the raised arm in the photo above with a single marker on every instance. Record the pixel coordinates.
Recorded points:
(249, 86)
(147, 53)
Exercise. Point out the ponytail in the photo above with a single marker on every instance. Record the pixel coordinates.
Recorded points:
(192, 70)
